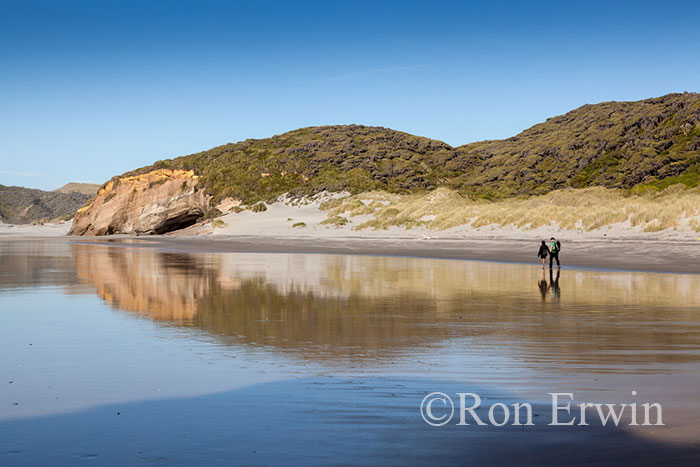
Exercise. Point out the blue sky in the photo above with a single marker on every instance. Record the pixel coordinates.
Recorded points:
(92, 89)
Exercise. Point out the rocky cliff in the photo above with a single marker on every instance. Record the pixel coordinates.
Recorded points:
(155, 202)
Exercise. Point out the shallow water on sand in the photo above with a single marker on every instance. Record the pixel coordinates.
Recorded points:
(120, 355)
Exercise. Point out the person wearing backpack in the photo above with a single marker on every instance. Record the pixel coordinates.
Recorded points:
(554, 250)
(544, 251)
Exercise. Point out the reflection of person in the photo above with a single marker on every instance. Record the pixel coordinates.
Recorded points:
(554, 283)
(542, 284)
(554, 250)
(544, 251)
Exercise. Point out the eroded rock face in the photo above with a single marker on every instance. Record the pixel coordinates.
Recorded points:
(156, 202)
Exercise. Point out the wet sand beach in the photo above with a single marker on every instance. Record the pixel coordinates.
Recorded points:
(677, 252)
(623, 254)
(680, 256)
(180, 350)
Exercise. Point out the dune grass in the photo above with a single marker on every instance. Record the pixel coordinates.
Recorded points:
(335, 220)
(575, 209)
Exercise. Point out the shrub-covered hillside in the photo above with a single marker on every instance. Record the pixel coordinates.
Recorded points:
(309, 160)
(650, 144)
(20, 205)
(654, 142)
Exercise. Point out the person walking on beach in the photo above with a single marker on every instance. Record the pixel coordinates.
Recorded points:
(544, 251)
(554, 249)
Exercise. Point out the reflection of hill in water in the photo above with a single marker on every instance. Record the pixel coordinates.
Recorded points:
(26, 263)
(350, 306)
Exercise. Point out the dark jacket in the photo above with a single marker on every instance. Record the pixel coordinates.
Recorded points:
(544, 251)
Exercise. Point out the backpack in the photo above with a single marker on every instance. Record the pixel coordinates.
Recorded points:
(558, 245)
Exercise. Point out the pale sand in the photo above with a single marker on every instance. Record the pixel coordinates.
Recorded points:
(26, 230)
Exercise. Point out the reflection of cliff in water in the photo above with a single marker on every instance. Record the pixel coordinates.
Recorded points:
(163, 286)
(353, 306)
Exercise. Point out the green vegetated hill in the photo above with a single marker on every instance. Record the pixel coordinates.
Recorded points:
(19, 205)
(645, 144)
(649, 143)
(306, 161)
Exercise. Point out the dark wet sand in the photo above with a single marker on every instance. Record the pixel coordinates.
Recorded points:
(318, 421)
(633, 255)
